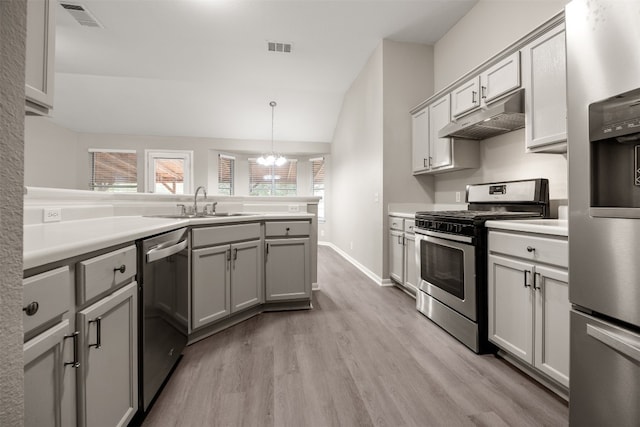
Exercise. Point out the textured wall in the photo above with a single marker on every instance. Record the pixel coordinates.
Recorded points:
(12, 47)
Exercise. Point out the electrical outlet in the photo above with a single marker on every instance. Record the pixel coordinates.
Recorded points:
(52, 214)
(294, 208)
(376, 198)
(457, 196)
(351, 245)
(321, 233)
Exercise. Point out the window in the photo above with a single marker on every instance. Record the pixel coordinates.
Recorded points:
(273, 180)
(317, 169)
(113, 171)
(169, 172)
(226, 166)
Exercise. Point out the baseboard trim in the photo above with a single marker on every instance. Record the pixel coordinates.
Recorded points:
(370, 274)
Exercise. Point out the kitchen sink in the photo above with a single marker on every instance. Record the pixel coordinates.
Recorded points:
(185, 216)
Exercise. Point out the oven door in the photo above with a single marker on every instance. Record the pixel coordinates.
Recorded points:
(446, 264)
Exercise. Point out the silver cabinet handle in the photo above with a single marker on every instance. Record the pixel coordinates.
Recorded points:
(430, 161)
(483, 89)
(537, 288)
(531, 249)
(617, 342)
(98, 322)
(74, 363)
(425, 163)
(473, 96)
(526, 283)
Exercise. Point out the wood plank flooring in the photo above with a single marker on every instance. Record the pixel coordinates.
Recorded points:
(362, 357)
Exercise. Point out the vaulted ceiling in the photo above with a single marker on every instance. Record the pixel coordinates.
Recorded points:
(201, 68)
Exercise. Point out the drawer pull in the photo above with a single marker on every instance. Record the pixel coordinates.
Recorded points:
(98, 343)
(531, 249)
(121, 269)
(74, 363)
(31, 308)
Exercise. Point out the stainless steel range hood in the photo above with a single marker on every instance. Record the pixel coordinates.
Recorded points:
(502, 116)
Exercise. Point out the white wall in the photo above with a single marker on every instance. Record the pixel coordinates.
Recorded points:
(371, 151)
(12, 50)
(407, 70)
(50, 155)
(357, 169)
(487, 29)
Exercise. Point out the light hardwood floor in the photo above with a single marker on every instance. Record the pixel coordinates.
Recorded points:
(363, 356)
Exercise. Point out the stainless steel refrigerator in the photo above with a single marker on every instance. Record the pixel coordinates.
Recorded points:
(603, 84)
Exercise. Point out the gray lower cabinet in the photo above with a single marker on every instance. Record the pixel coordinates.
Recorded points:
(108, 372)
(210, 285)
(396, 255)
(225, 279)
(288, 269)
(49, 389)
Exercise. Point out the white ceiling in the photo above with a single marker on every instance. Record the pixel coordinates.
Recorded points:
(201, 68)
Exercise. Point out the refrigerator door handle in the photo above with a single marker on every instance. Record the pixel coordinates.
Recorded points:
(621, 344)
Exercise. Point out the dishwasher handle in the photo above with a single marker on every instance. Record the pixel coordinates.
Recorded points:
(164, 252)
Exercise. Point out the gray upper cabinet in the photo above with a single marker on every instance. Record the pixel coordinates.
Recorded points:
(432, 154)
(544, 79)
(420, 140)
(39, 74)
(496, 81)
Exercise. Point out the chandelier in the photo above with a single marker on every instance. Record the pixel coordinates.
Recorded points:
(272, 158)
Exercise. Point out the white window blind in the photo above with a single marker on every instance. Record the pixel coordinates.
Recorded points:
(317, 169)
(226, 165)
(113, 171)
(273, 180)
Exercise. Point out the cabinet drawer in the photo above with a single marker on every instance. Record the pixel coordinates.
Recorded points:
(47, 295)
(287, 228)
(532, 247)
(105, 272)
(396, 223)
(209, 236)
(409, 225)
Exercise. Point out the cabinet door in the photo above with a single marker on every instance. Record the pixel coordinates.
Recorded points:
(210, 285)
(288, 274)
(439, 148)
(410, 263)
(246, 277)
(40, 52)
(544, 77)
(501, 78)
(465, 97)
(108, 377)
(552, 323)
(396, 256)
(48, 380)
(420, 140)
(511, 306)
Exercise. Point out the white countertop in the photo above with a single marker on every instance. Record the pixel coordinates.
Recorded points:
(409, 215)
(556, 227)
(51, 242)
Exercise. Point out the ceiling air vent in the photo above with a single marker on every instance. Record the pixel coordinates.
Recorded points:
(81, 14)
(279, 47)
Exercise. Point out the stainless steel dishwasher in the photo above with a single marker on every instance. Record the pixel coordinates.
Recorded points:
(164, 269)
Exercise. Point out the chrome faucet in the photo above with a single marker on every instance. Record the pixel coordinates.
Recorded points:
(195, 198)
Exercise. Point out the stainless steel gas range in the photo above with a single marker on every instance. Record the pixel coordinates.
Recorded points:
(451, 251)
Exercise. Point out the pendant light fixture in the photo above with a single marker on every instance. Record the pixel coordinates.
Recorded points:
(272, 158)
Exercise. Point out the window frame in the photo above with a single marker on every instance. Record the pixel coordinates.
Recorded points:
(273, 188)
(152, 155)
(232, 168)
(109, 188)
(322, 202)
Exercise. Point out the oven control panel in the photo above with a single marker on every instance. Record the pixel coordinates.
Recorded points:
(445, 226)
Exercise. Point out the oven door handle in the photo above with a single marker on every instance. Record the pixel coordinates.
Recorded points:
(159, 253)
(455, 237)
